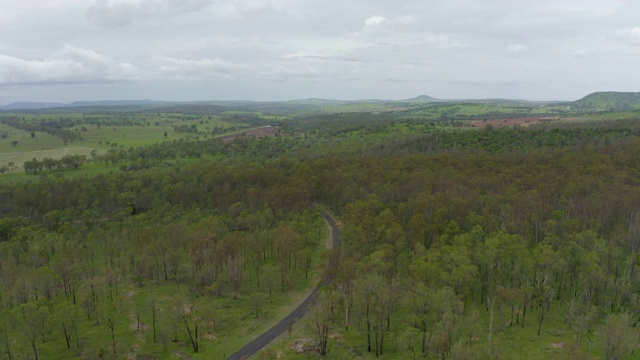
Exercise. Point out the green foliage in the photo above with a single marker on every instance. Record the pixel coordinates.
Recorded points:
(37, 136)
(608, 101)
(456, 242)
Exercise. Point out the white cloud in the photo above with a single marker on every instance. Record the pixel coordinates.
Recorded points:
(69, 65)
(381, 26)
(635, 33)
(375, 27)
(375, 21)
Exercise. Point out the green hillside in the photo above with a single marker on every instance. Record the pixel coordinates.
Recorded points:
(608, 101)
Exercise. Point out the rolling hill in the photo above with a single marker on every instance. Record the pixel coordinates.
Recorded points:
(608, 101)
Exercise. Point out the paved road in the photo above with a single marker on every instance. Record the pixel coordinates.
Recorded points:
(264, 339)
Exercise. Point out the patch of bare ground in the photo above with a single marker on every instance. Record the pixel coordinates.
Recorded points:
(139, 327)
(301, 346)
(181, 355)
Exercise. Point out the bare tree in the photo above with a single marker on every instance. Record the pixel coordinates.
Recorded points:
(188, 314)
(152, 304)
(31, 321)
(322, 317)
(108, 314)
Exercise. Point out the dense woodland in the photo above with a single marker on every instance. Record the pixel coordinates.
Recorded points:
(454, 241)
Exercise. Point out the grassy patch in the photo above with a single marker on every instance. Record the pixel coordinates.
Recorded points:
(556, 340)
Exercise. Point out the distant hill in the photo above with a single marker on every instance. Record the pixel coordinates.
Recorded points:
(425, 99)
(422, 98)
(313, 101)
(193, 109)
(28, 105)
(115, 103)
(595, 102)
(608, 101)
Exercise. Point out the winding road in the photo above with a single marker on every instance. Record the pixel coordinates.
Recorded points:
(268, 336)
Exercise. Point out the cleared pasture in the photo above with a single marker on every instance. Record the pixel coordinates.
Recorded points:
(101, 132)
(18, 158)
(19, 140)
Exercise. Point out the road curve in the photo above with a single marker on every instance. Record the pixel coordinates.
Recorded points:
(268, 336)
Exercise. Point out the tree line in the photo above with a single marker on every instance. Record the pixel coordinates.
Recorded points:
(67, 162)
(53, 127)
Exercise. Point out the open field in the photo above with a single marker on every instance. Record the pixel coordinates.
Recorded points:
(84, 134)
(511, 341)
(57, 153)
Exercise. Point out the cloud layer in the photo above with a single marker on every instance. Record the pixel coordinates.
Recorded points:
(282, 49)
(68, 65)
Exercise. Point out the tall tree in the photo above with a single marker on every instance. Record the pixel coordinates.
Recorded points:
(322, 316)
(6, 319)
(66, 318)
(619, 337)
(108, 316)
(32, 318)
(343, 282)
(190, 317)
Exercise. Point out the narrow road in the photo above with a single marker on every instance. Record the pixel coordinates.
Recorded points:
(268, 336)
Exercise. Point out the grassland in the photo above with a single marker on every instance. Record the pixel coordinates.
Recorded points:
(230, 326)
(556, 340)
(99, 133)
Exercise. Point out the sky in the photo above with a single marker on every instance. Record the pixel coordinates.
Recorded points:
(263, 50)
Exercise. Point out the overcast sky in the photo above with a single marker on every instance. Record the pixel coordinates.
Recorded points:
(67, 50)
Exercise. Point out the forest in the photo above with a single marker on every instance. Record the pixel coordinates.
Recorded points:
(457, 241)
